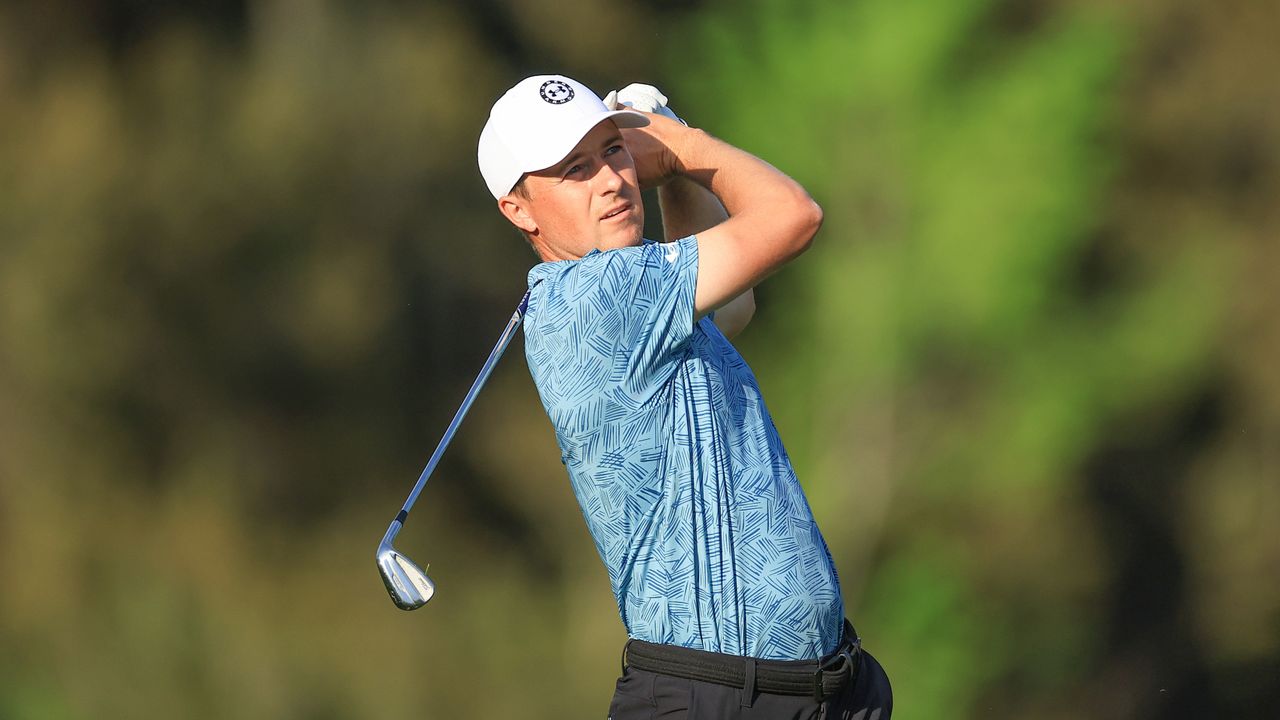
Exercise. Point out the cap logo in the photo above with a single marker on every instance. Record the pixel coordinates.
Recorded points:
(556, 92)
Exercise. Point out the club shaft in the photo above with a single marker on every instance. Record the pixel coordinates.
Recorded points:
(449, 432)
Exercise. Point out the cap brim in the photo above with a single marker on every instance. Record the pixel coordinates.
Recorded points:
(628, 118)
(552, 153)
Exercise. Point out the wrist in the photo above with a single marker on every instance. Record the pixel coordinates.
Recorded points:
(685, 148)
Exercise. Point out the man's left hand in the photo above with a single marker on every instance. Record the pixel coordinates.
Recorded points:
(645, 98)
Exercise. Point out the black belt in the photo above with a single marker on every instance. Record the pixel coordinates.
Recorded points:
(819, 678)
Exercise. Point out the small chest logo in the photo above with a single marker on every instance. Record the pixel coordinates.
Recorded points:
(556, 92)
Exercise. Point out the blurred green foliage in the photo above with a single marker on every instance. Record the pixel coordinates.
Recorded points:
(1027, 373)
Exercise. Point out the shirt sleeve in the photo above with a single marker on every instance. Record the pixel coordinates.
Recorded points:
(620, 320)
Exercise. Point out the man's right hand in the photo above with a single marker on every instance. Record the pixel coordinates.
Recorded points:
(656, 149)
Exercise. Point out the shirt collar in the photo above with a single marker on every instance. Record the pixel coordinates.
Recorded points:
(545, 270)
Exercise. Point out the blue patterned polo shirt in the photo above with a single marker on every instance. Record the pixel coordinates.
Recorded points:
(683, 481)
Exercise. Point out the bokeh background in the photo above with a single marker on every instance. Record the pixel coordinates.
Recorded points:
(1028, 372)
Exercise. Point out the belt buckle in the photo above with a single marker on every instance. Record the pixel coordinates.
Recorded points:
(845, 660)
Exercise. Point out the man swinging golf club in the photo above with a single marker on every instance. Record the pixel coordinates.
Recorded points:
(723, 581)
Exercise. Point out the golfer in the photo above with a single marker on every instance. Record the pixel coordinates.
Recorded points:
(723, 581)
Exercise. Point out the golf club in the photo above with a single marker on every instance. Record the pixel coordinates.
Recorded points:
(408, 584)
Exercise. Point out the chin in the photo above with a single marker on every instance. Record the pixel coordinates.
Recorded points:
(621, 240)
(631, 241)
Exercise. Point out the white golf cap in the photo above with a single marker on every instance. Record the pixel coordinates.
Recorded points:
(536, 124)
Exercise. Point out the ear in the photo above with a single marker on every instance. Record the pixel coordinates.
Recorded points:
(516, 210)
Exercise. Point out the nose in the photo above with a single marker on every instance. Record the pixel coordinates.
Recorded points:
(608, 179)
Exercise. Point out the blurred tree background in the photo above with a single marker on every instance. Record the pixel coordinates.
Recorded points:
(1027, 374)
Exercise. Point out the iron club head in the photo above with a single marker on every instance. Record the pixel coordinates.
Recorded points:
(408, 584)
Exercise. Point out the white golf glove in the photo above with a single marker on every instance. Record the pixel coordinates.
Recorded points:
(645, 98)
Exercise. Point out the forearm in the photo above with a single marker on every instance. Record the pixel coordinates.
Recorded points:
(771, 219)
(750, 191)
(688, 208)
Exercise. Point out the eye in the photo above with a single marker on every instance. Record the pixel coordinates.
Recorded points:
(613, 149)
